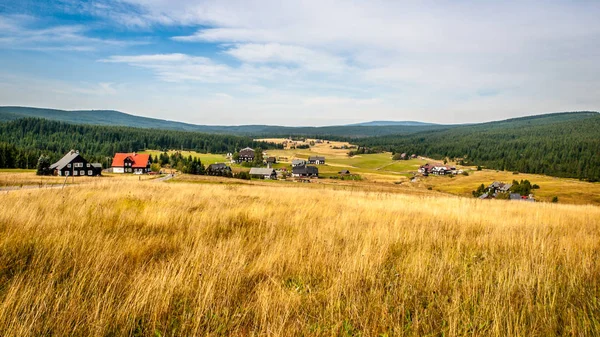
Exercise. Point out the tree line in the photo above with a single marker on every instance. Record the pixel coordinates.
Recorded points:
(564, 147)
(22, 141)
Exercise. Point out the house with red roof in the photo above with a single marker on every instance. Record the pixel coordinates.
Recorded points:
(131, 163)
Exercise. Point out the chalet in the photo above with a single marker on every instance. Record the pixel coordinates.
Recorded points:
(131, 163)
(344, 172)
(298, 162)
(413, 156)
(246, 155)
(441, 170)
(73, 164)
(316, 160)
(271, 160)
(403, 156)
(498, 187)
(263, 173)
(305, 172)
(218, 169)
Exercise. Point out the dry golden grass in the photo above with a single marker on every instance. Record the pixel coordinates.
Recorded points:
(180, 259)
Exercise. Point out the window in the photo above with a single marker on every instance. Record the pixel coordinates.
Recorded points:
(78, 164)
(82, 172)
(69, 165)
(74, 173)
(87, 165)
(67, 173)
(90, 173)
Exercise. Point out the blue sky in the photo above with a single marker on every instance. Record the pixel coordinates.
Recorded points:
(302, 63)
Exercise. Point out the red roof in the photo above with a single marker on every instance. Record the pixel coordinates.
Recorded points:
(139, 160)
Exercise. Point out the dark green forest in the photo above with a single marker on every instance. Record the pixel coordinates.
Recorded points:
(561, 145)
(22, 141)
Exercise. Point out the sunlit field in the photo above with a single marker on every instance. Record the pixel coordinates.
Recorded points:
(153, 258)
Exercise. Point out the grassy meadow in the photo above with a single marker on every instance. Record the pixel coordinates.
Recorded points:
(148, 258)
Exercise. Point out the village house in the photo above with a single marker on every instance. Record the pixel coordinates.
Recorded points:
(413, 156)
(218, 169)
(131, 163)
(305, 172)
(344, 172)
(263, 173)
(298, 162)
(73, 164)
(271, 160)
(246, 155)
(316, 160)
(403, 156)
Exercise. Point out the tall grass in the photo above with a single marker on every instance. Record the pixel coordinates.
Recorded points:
(155, 259)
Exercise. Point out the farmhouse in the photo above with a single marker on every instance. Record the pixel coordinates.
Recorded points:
(73, 164)
(218, 169)
(271, 160)
(263, 173)
(246, 155)
(441, 170)
(316, 160)
(344, 172)
(305, 172)
(131, 163)
(498, 187)
(298, 162)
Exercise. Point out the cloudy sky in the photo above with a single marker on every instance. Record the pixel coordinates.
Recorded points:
(318, 62)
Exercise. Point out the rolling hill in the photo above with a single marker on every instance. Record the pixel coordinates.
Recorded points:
(116, 118)
(557, 144)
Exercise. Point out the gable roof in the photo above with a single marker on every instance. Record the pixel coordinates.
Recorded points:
(217, 166)
(305, 170)
(298, 161)
(139, 160)
(261, 171)
(96, 165)
(316, 158)
(68, 158)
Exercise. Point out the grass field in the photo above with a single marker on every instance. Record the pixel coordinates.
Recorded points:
(182, 259)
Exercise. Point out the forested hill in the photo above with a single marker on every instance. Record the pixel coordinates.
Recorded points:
(22, 141)
(116, 118)
(560, 144)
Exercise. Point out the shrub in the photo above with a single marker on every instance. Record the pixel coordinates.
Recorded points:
(555, 199)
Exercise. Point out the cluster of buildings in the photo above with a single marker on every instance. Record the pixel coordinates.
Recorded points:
(497, 188)
(439, 170)
(73, 164)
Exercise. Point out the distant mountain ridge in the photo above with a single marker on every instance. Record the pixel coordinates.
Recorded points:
(389, 123)
(117, 118)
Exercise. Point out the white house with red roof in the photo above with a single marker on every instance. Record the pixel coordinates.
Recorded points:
(131, 163)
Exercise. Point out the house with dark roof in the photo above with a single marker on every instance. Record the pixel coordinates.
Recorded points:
(316, 160)
(73, 164)
(131, 163)
(305, 172)
(246, 154)
(263, 173)
(344, 172)
(271, 160)
(218, 169)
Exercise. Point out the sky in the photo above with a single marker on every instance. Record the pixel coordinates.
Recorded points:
(311, 62)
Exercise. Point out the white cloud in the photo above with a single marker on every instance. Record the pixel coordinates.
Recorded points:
(18, 32)
(285, 54)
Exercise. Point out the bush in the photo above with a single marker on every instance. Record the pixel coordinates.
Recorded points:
(465, 173)
(478, 168)
(555, 199)
(515, 172)
(242, 175)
